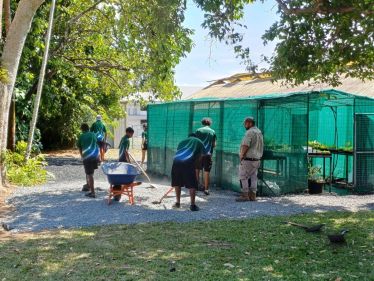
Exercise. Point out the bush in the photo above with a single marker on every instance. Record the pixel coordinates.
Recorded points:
(22, 172)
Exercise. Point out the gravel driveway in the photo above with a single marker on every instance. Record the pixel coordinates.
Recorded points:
(61, 204)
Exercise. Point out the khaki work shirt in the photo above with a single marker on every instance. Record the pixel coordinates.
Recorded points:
(254, 140)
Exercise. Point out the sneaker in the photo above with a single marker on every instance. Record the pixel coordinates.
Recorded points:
(85, 187)
(176, 205)
(91, 195)
(206, 192)
(194, 208)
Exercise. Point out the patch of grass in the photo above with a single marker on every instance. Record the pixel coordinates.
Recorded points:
(22, 172)
(255, 249)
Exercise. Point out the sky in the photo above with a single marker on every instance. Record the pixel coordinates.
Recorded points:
(208, 61)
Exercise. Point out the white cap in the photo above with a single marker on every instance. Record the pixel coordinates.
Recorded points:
(98, 117)
(249, 118)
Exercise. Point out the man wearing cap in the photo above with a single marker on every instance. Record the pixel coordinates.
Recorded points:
(100, 131)
(208, 136)
(251, 150)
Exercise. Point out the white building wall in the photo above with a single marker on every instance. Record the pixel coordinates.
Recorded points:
(135, 118)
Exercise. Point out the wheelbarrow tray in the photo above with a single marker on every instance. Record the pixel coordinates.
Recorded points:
(119, 173)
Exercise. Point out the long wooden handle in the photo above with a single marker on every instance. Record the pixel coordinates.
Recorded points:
(166, 194)
(140, 167)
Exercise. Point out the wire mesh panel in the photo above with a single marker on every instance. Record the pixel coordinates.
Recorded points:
(364, 153)
(331, 125)
(287, 123)
(157, 115)
(234, 113)
(177, 129)
(212, 110)
(284, 123)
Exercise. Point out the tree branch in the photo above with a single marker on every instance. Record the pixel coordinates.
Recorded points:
(320, 8)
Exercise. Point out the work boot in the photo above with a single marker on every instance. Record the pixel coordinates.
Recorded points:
(252, 196)
(243, 197)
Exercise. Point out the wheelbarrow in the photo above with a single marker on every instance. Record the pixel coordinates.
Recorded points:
(121, 177)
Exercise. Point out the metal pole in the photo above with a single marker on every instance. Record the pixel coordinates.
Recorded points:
(41, 80)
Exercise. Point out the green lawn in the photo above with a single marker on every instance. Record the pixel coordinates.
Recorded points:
(256, 249)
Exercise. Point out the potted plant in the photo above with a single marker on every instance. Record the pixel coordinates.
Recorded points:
(315, 180)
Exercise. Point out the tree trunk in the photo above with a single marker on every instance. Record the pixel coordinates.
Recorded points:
(41, 81)
(12, 111)
(10, 59)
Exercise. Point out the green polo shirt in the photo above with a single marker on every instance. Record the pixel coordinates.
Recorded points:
(124, 145)
(188, 150)
(208, 136)
(145, 136)
(87, 142)
(99, 129)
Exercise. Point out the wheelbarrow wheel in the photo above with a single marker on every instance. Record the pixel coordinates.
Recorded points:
(117, 197)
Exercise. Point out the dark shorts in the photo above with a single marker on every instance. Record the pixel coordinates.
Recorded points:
(90, 165)
(145, 146)
(122, 158)
(183, 174)
(101, 144)
(205, 163)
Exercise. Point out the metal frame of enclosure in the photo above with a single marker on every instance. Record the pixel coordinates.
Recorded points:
(338, 120)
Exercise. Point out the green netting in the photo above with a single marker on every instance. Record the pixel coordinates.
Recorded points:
(288, 122)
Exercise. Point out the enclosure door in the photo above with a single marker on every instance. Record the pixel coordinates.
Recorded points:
(364, 153)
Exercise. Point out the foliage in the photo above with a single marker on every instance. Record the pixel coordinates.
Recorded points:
(100, 54)
(23, 117)
(105, 50)
(22, 172)
(314, 173)
(323, 40)
(254, 249)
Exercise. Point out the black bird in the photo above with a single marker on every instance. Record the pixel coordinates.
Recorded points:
(338, 238)
(312, 228)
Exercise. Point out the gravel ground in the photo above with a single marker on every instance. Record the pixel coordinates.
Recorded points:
(61, 204)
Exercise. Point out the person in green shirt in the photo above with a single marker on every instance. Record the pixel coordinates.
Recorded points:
(100, 130)
(208, 136)
(124, 145)
(188, 152)
(144, 142)
(89, 151)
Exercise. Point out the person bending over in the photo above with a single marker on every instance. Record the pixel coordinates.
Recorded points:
(89, 151)
(188, 152)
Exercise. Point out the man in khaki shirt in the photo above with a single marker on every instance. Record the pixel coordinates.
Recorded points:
(251, 150)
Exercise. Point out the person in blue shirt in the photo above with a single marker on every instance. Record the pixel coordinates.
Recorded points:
(183, 173)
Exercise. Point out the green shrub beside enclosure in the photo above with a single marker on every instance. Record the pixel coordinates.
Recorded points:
(22, 172)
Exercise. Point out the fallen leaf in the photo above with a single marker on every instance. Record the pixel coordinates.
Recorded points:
(229, 265)
(268, 268)
(338, 279)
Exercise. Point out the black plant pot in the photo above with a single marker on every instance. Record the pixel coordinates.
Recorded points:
(315, 187)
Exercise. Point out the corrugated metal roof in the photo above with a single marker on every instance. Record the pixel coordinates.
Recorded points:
(265, 86)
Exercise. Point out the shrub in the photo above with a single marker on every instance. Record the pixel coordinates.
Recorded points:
(22, 172)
